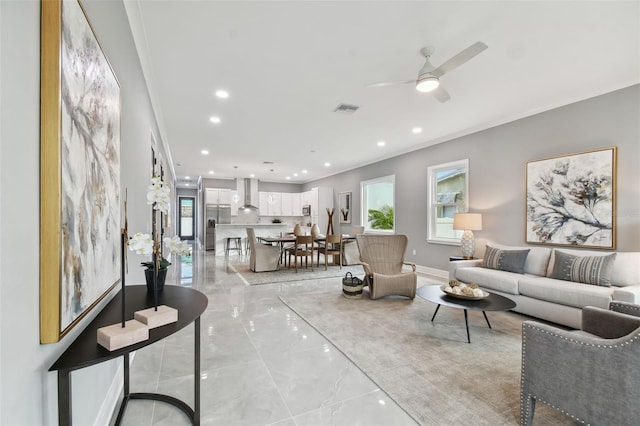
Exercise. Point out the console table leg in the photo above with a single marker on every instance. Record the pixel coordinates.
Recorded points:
(196, 373)
(64, 398)
(125, 360)
(126, 392)
(466, 324)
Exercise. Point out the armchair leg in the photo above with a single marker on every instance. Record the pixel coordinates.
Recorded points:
(527, 407)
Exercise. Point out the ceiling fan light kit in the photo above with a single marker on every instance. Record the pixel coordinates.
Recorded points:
(429, 76)
(427, 83)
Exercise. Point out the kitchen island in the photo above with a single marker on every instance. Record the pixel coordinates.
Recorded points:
(224, 231)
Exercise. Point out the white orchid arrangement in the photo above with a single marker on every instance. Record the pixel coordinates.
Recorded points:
(146, 244)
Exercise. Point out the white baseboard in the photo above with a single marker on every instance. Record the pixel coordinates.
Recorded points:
(433, 272)
(114, 395)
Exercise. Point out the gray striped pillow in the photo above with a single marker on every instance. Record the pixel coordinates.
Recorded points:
(505, 260)
(595, 270)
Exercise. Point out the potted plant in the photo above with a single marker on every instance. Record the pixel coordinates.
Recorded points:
(148, 244)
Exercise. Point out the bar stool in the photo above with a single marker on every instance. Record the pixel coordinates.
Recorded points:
(237, 242)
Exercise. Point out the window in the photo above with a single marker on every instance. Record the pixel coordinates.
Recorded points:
(185, 221)
(448, 188)
(378, 204)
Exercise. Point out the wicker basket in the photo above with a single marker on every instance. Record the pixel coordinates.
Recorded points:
(351, 286)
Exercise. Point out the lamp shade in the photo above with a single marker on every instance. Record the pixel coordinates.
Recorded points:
(467, 221)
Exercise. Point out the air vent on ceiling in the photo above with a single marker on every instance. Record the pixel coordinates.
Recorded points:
(346, 109)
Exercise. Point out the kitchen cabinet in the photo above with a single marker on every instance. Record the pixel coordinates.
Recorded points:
(291, 205)
(217, 196)
(306, 198)
(224, 196)
(321, 200)
(315, 207)
(211, 196)
(270, 203)
(235, 202)
(296, 204)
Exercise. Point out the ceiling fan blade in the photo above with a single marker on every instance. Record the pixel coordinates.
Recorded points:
(440, 94)
(462, 57)
(390, 83)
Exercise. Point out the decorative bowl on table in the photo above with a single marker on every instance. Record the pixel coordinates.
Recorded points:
(464, 291)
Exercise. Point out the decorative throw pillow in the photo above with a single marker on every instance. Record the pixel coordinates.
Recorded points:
(595, 270)
(505, 260)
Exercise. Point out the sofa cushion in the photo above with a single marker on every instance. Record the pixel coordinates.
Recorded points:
(583, 269)
(505, 260)
(490, 279)
(537, 259)
(567, 293)
(626, 268)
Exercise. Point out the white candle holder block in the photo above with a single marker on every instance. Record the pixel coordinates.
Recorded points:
(152, 318)
(116, 336)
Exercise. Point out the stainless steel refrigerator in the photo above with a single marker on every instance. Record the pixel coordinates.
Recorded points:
(215, 214)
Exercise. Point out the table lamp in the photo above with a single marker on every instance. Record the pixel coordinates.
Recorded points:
(467, 222)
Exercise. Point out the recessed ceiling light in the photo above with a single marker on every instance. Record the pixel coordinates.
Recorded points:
(204, 152)
(288, 178)
(214, 119)
(252, 175)
(381, 143)
(417, 130)
(327, 164)
(211, 172)
(186, 184)
(304, 171)
(295, 175)
(222, 94)
(187, 177)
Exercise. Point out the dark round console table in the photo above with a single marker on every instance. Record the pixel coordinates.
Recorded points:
(494, 302)
(85, 351)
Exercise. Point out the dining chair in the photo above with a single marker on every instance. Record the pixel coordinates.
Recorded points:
(315, 233)
(303, 247)
(332, 247)
(262, 257)
(350, 250)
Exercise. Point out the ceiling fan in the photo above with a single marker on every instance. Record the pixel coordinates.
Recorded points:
(429, 76)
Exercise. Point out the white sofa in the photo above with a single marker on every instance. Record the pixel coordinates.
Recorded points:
(556, 300)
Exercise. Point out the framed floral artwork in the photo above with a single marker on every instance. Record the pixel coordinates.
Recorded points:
(80, 170)
(571, 200)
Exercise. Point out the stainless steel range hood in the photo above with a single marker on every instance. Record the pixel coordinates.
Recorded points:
(250, 193)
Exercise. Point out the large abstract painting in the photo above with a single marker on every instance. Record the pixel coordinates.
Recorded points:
(80, 170)
(571, 200)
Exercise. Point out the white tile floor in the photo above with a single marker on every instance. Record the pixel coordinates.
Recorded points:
(261, 363)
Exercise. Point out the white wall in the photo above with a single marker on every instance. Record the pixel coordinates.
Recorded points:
(28, 392)
(497, 159)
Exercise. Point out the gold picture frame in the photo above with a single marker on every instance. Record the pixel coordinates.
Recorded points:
(571, 200)
(80, 170)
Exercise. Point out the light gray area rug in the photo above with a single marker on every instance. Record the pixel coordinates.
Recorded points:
(428, 368)
(287, 275)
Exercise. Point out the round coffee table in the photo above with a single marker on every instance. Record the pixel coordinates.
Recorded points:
(494, 302)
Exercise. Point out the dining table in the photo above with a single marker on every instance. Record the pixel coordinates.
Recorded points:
(290, 238)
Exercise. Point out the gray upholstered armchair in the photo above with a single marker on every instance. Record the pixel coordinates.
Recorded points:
(382, 257)
(592, 374)
(263, 257)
